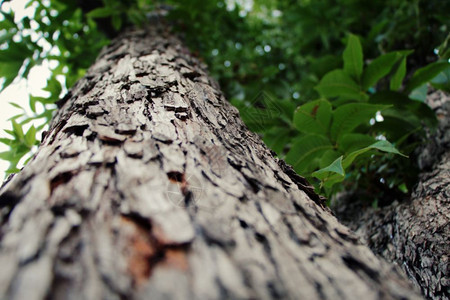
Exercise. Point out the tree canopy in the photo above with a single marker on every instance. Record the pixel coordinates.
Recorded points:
(335, 87)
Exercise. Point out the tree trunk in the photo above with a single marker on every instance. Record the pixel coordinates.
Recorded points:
(416, 234)
(148, 185)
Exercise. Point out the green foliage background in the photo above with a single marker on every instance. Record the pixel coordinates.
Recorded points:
(336, 87)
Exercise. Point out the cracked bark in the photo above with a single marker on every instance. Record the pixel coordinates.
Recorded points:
(416, 234)
(148, 185)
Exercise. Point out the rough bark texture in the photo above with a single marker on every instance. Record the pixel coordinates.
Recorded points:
(416, 234)
(148, 185)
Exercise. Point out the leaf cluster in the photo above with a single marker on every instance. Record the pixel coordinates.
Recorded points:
(340, 132)
(58, 34)
(20, 144)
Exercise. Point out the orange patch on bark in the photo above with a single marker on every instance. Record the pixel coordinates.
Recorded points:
(145, 250)
(176, 258)
(141, 253)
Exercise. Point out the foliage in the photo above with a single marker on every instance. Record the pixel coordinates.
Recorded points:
(269, 58)
(338, 136)
(305, 40)
(119, 13)
(59, 33)
(20, 144)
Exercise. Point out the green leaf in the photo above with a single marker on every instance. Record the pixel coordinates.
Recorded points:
(353, 58)
(380, 145)
(378, 68)
(398, 76)
(30, 136)
(16, 105)
(402, 187)
(394, 127)
(54, 87)
(101, 12)
(313, 117)
(6, 141)
(335, 167)
(12, 169)
(285, 108)
(276, 138)
(15, 117)
(444, 48)
(9, 71)
(10, 132)
(420, 93)
(347, 117)
(410, 110)
(116, 22)
(338, 166)
(352, 141)
(306, 151)
(328, 157)
(32, 103)
(42, 100)
(17, 128)
(425, 74)
(386, 147)
(17, 52)
(7, 155)
(8, 22)
(14, 155)
(322, 65)
(6, 36)
(28, 65)
(27, 120)
(442, 81)
(257, 119)
(136, 16)
(338, 84)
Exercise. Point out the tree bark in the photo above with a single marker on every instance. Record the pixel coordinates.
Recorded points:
(148, 185)
(416, 234)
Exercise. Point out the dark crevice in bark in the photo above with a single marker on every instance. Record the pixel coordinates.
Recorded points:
(318, 287)
(254, 184)
(317, 224)
(64, 99)
(77, 130)
(356, 265)
(60, 179)
(9, 199)
(58, 128)
(275, 291)
(303, 184)
(292, 233)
